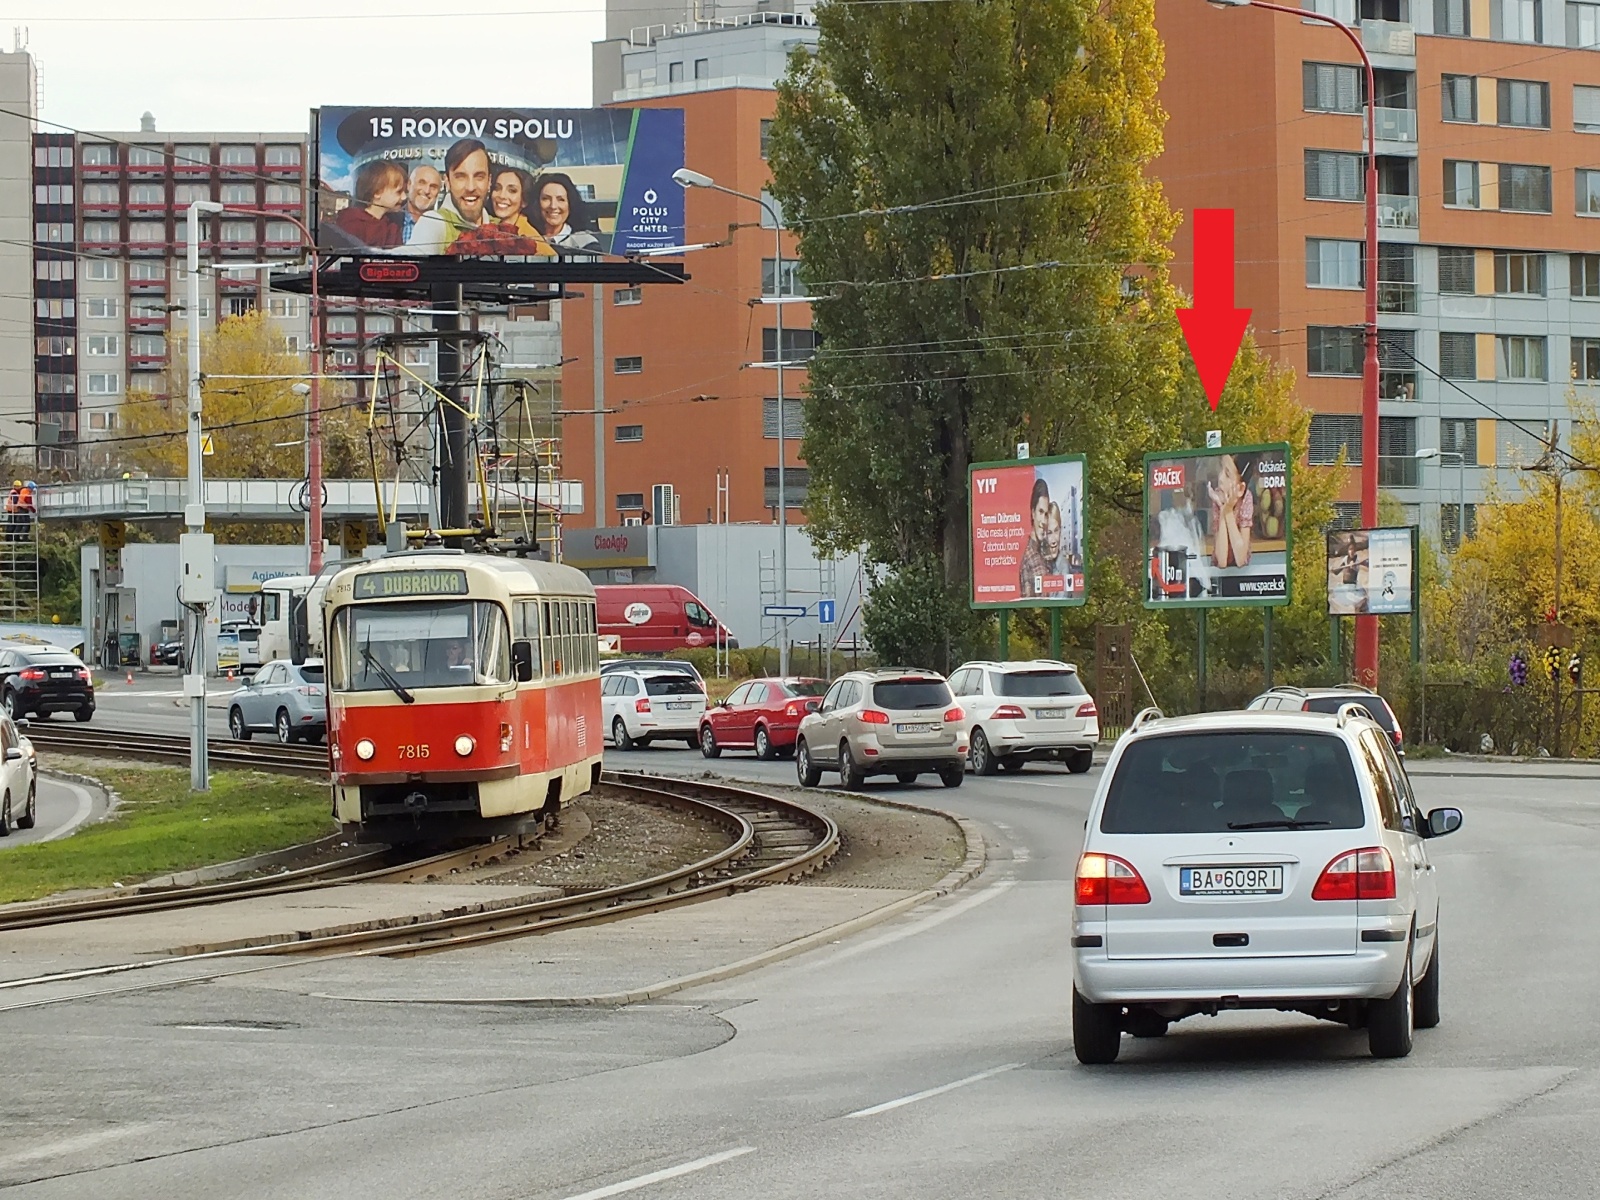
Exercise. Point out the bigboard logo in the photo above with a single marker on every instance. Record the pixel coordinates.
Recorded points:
(637, 613)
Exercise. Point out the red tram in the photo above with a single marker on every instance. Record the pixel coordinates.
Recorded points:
(463, 694)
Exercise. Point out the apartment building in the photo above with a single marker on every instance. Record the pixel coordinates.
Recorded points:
(690, 431)
(1489, 187)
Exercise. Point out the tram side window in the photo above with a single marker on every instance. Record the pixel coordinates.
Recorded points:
(569, 648)
(591, 639)
(552, 650)
(528, 630)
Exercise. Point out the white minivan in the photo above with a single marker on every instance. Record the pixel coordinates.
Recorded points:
(1266, 860)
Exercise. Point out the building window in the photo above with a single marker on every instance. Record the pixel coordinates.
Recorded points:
(102, 307)
(102, 419)
(1524, 103)
(1588, 193)
(766, 217)
(675, 72)
(630, 500)
(147, 345)
(345, 325)
(1585, 269)
(1452, 18)
(794, 418)
(1334, 264)
(52, 193)
(1458, 355)
(1460, 184)
(238, 156)
(796, 483)
(100, 193)
(1524, 188)
(191, 156)
(414, 356)
(1586, 359)
(627, 295)
(56, 270)
(702, 68)
(239, 193)
(93, 231)
(346, 358)
(56, 347)
(1333, 350)
(56, 385)
(791, 285)
(103, 383)
(798, 345)
(284, 306)
(147, 194)
(630, 433)
(1458, 436)
(1333, 176)
(1450, 525)
(281, 156)
(146, 156)
(1397, 277)
(185, 194)
(98, 154)
(1583, 24)
(1518, 274)
(283, 193)
(378, 324)
(1516, 20)
(631, 365)
(55, 310)
(1397, 450)
(766, 136)
(102, 269)
(102, 345)
(146, 272)
(1397, 364)
(52, 156)
(149, 310)
(55, 231)
(1458, 271)
(1459, 94)
(238, 231)
(146, 232)
(1329, 87)
(1519, 358)
(1331, 435)
(283, 232)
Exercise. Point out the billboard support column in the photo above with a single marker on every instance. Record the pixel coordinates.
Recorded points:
(1200, 660)
(1266, 650)
(1335, 649)
(1005, 634)
(1416, 598)
(599, 405)
(453, 469)
(1055, 633)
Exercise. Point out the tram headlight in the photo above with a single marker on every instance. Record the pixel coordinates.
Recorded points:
(465, 745)
(365, 749)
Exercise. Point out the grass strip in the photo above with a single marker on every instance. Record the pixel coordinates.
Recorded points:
(160, 826)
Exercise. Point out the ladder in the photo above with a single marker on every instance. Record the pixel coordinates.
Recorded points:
(19, 568)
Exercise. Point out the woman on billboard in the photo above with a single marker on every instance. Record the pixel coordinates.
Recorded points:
(507, 230)
(1232, 513)
(562, 216)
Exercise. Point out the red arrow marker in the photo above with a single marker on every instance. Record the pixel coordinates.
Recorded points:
(1214, 328)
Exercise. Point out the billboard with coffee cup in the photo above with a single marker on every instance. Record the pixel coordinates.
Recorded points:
(1217, 527)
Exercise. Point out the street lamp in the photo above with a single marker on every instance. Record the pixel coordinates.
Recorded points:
(1461, 485)
(1366, 626)
(685, 178)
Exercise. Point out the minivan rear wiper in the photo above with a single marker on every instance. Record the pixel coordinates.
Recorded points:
(1285, 823)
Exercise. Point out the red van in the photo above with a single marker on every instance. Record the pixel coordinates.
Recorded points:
(648, 617)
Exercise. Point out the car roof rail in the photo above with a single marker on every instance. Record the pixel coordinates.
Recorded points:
(1144, 717)
(1352, 710)
(1286, 687)
(1357, 687)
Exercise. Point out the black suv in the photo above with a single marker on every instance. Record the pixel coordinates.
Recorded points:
(1330, 700)
(44, 680)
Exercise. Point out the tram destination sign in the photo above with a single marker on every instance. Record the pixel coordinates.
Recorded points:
(400, 585)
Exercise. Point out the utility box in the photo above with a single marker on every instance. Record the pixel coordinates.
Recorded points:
(197, 579)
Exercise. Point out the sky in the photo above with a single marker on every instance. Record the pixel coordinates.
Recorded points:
(197, 69)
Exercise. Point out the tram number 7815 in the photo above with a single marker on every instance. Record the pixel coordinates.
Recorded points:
(419, 751)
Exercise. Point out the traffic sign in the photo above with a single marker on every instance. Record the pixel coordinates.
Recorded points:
(784, 610)
(207, 446)
(826, 612)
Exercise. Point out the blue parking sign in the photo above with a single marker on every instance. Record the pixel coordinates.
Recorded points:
(825, 612)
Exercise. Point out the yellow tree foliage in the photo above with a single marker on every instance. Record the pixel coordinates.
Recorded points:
(257, 425)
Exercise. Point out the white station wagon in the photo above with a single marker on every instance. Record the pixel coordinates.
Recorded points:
(1272, 860)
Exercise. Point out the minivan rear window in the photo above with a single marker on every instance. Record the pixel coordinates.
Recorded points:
(1033, 684)
(911, 693)
(1378, 708)
(1228, 782)
(671, 685)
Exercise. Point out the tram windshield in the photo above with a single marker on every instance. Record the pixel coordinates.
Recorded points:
(419, 645)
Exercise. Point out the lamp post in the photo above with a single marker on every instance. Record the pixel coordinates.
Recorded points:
(314, 423)
(1366, 626)
(686, 178)
(1461, 485)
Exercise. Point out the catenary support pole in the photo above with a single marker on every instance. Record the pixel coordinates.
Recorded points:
(454, 470)
(194, 513)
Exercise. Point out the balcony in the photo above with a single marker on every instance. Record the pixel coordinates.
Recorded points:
(1389, 37)
(147, 320)
(1395, 383)
(147, 286)
(1397, 212)
(147, 362)
(1397, 125)
(1396, 297)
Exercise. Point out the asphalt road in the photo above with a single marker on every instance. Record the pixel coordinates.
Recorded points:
(64, 808)
(926, 1058)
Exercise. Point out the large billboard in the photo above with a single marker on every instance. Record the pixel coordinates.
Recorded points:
(1370, 571)
(1217, 527)
(541, 184)
(1028, 534)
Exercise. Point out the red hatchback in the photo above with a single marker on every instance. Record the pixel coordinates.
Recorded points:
(763, 715)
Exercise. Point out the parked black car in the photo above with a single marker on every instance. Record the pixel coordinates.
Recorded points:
(45, 680)
(167, 654)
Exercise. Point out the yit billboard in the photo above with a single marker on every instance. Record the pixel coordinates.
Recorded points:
(1028, 532)
(1217, 527)
(1371, 571)
(540, 184)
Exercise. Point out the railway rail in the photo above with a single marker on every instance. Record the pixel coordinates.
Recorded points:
(165, 747)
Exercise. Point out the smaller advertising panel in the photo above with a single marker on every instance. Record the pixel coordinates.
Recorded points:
(1217, 527)
(1028, 533)
(1370, 571)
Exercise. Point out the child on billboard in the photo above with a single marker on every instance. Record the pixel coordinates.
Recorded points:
(1232, 513)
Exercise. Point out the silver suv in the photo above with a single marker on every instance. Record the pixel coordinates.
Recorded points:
(1018, 712)
(1271, 860)
(890, 722)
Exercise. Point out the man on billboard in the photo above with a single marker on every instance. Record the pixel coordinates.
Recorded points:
(421, 196)
(466, 177)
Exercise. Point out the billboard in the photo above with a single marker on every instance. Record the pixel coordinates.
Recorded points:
(1371, 571)
(1028, 532)
(1217, 527)
(540, 184)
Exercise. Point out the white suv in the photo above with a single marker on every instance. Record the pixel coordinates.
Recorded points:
(644, 706)
(1256, 860)
(1021, 711)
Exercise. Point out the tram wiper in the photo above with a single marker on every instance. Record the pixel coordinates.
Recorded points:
(383, 674)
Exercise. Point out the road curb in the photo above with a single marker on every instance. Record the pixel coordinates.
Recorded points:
(237, 866)
(972, 866)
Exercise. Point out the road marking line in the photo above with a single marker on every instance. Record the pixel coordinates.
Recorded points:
(629, 1185)
(1020, 854)
(938, 1091)
(83, 1141)
(85, 808)
(993, 891)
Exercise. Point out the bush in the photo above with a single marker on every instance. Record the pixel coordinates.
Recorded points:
(913, 620)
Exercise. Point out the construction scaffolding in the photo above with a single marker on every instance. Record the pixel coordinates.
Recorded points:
(19, 569)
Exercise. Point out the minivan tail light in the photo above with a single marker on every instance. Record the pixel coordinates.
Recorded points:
(871, 716)
(954, 714)
(1107, 879)
(1366, 874)
(1008, 712)
(642, 704)
(1088, 710)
